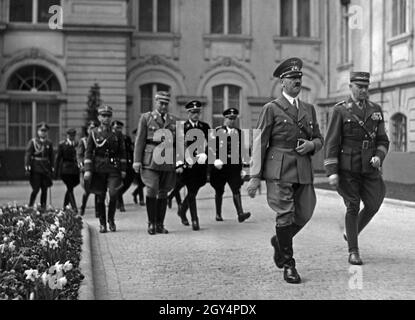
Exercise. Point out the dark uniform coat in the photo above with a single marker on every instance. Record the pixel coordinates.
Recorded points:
(349, 147)
(66, 160)
(39, 157)
(279, 139)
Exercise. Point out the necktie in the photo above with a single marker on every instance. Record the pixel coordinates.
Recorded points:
(295, 104)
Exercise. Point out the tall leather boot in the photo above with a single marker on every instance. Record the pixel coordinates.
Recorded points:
(242, 216)
(96, 206)
(193, 213)
(72, 201)
(66, 200)
(181, 211)
(218, 206)
(151, 214)
(102, 214)
(135, 192)
(33, 196)
(83, 204)
(111, 213)
(285, 243)
(161, 208)
(121, 203)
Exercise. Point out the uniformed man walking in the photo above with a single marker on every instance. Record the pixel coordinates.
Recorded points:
(66, 167)
(138, 191)
(80, 155)
(195, 170)
(105, 166)
(39, 164)
(158, 176)
(130, 173)
(355, 149)
(229, 172)
(290, 134)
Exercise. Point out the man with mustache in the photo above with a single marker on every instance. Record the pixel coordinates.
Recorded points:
(356, 146)
(289, 136)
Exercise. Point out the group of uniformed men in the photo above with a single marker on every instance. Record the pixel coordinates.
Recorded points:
(355, 148)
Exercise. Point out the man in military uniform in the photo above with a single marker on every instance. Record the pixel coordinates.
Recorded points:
(356, 147)
(195, 168)
(129, 148)
(80, 155)
(39, 164)
(105, 166)
(158, 176)
(138, 191)
(66, 167)
(289, 136)
(226, 170)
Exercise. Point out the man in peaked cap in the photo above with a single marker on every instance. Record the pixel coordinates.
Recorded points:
(129, 177)
(159, 178)
(290, 135)
(39, 164)
(105, 166)
(66, 167)
(195, 168)
(225, 170)
(355, 149)
(80, 155)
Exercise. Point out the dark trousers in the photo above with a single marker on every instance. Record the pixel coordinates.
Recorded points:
(42, 182)
(127, 181)
(356, 187)
(70, 181)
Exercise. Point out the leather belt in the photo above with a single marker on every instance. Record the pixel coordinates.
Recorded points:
(40, 158)
(365, 144)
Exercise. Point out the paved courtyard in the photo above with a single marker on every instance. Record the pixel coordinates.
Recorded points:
(231, 260)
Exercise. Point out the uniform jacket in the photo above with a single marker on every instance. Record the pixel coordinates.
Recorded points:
(145, 142)
(105, 151)
(66, 162)
(129, 149)
(202, 126)
(279, 135)
(236, 135)
(345, 148)
(39, 156)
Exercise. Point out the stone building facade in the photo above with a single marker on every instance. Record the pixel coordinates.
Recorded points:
(221, 52)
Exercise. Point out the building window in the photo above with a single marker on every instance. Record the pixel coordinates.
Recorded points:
(224, 97)
(345, 33)
(398, 133)
(25, 113)
(147, 93)
(154, 15)
(295, 18)
(31, 11)
(399, 17)
(226, 16)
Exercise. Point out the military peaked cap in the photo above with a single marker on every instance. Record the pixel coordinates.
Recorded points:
(42, 126)
(231, 113)
(193, 105)
(360, 77)
(105, 110)
(163, 96)
(290, 68)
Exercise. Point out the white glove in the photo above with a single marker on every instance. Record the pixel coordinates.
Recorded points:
(218, 164)
(334, 180)
(201, 158)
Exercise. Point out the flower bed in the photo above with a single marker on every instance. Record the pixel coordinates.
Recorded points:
(39, 254)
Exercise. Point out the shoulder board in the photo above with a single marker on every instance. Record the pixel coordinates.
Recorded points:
(343, 102)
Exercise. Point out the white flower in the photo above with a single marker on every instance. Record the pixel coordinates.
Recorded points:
(44, 242)
(59, 236)
(58, 268)
(46, 234)
(20, 224)
(61, 283)
(32, 274)
(1, 212)
(2, 247)
(67, 266)
(53, 244)
(44, 278)
(57, 222)
(53, 228)
(5, 239)
(62, 229)
(31, 226)
(52, 281)
(32, 296)
(12, 246)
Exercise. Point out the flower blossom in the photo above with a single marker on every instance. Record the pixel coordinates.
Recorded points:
(53, 244)
(32, 274)
(67, 266)
(61, 282)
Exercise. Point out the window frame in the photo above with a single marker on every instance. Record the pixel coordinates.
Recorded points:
(395, 126)
(295, 20)
(154, 89)
(35, 14)
(225, 99)
(398, 23)
(226, 18)
(154, 18)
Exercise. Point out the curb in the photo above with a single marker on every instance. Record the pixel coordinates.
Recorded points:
(394, 202)
(86, 289)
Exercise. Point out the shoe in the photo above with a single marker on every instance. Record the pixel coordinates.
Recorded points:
(113, 228)
(142, 203)
(219, 218)
(151, 228)
(243, 216)
(185, 222)
(291, 275)
(182, 216)
(169, 203)
(82, 211)
(354, 258)
(96, 214)
(103, 228)
(122, 208)
(135, 198)
(195, 225)
(160, 229)
(277, 255)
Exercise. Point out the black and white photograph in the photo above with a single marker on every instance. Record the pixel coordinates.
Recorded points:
(207, 156)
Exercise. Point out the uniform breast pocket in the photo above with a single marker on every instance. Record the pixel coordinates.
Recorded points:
(345, 161)
(273, 165)
(351, 127)
(284, 127)
(148, 155)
